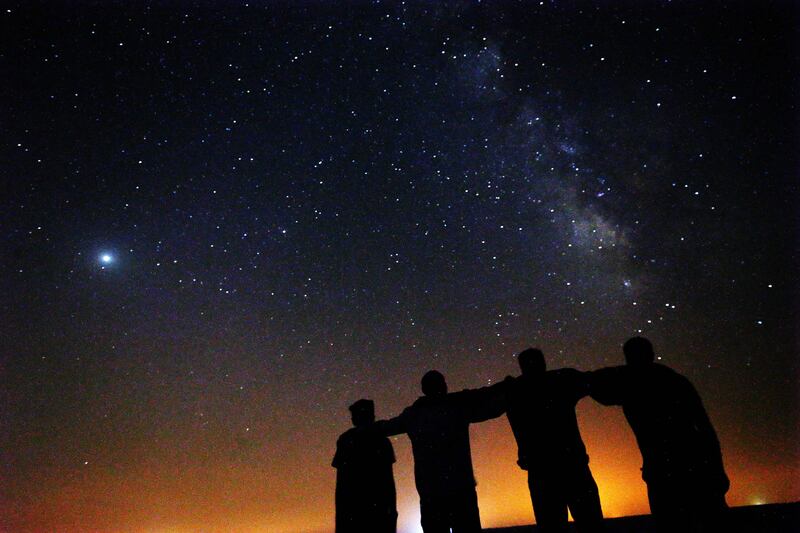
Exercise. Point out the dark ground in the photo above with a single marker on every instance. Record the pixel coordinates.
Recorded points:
(772, 518)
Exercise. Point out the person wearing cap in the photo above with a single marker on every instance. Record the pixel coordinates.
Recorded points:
(681, 456)
(437, 424)
(365, 491)
(541, 411)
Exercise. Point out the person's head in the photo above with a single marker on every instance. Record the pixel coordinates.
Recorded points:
(531, 362)
(362, 413)
(433, 384)
(638, 351)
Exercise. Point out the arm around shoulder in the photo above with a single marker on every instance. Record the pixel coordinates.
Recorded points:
(486, 403)
(607, 385)
(393, 426)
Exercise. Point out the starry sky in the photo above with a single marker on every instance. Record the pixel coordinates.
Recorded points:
(223, 222)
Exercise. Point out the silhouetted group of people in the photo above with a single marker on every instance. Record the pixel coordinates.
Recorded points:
(682, 461)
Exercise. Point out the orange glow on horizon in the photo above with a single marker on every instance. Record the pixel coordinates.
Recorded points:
(295, 494)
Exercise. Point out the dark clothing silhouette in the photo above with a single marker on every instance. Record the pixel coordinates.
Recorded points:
(438, 427)
(541, 411)
(365, 492)
(682, 461)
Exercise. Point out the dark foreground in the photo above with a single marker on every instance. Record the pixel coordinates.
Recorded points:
(772, 518)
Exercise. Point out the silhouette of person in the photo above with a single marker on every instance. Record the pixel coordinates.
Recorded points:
(682, 461)
(437, 424)
(541, 411)
(365, 492)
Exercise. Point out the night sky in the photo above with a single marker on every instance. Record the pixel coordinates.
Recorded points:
(222, 223)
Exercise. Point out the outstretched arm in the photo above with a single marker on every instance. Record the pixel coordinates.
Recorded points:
(573, 383)
(393, 426)
(607, 385)
(485, 403)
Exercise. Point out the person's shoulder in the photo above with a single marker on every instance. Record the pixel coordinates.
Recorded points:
(620, 368)
(567, 376)
(675, 378)
(361, 434)
(458, 399)
(565, 373)
(349, 434)
(419, 402)
(665, 372)
(609, 373)
(347, 438)
(570, 382)
(374, 436)
(516, 385)
(418, 406)
(506, 384)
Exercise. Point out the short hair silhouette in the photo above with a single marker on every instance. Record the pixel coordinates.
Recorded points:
(433, 383)
(531, 361)
(363, 412)
(366, 498)
(638, 351)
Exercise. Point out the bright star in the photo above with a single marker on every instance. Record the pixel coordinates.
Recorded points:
(106, 259)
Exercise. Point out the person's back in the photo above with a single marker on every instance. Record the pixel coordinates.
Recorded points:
(663, 409)
(365, 491)
(541, 411)
(681, 457)
(438, 426)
